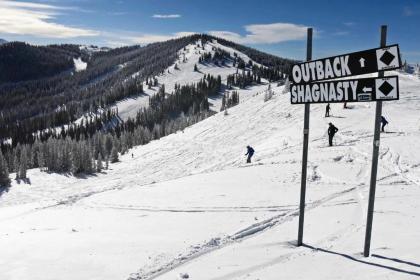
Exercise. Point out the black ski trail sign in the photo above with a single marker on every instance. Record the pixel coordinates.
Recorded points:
(351, 90)
(346, 65)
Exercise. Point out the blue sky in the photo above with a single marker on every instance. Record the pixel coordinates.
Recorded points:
(274, 26)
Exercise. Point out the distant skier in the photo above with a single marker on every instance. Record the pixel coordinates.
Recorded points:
(332, 130)
(345, 105)
(327, 110)
(249, 153)
(384, 122)
(132, 155)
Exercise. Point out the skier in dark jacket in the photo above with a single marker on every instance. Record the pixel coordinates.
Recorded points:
(249, 153)
(327, 110)
(332, 130)
(384, 122)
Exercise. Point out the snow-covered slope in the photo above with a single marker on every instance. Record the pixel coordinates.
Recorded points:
(184, 74)
(187, 204)
(79, 64)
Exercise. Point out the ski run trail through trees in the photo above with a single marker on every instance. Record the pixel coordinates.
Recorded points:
(188, 206)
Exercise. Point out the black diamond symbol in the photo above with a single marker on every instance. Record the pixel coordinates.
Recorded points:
(387, 57)
(386, 88)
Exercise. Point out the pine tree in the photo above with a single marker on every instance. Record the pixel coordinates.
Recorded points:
(16, 163)
(76, 161)
(268, 94)
(4, 172)
(99, 165)
(286, 88)
(23, 165)
(41, 157)
(108, 144)
(114, 155)
(87, 164)
(223, 103)
(195, 68)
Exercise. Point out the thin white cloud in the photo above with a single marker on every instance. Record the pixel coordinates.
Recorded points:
(35, 19)
(123, 38)
(256, 34)
(265, 33)
(340, 33)
(118, 13)
(349, 23)
(153, 38)
(166, 16)
(413, 53)
(408, 11)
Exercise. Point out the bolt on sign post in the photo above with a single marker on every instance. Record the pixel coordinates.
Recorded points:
(318, 81)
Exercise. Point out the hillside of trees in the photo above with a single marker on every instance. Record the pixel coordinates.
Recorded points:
(278, 63)
(36, 105)
(31, 111)
(90, 146)
(22, 62)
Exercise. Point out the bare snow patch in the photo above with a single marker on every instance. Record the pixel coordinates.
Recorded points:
(79, 64)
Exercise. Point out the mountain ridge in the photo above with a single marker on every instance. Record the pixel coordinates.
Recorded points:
(108, 78)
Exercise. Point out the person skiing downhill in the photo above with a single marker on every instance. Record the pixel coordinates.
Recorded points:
(249, 153)
(327, 110)
(384, 122)
(332, 130)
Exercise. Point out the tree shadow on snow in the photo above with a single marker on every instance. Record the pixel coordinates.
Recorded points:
(368, 262)
(133, 97)
(84, 175)
(3, 190)
(219, 95)
(24, 180)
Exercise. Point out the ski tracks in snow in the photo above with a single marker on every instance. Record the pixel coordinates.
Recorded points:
(390, 161)
(196, 251)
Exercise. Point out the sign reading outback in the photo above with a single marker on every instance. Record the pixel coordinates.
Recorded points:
(351, 64)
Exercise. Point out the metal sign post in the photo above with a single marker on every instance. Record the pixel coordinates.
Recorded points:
(375, 155)
(305, 150)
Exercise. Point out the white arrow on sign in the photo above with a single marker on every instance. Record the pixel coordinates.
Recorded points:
(362, 62)
(367, 89)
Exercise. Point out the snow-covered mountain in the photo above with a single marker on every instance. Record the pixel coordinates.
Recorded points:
(2, 41)
(84, 82)
(187, 205)
(182, 73)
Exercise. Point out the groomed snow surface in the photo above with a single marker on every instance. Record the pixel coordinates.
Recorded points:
(188, 207)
